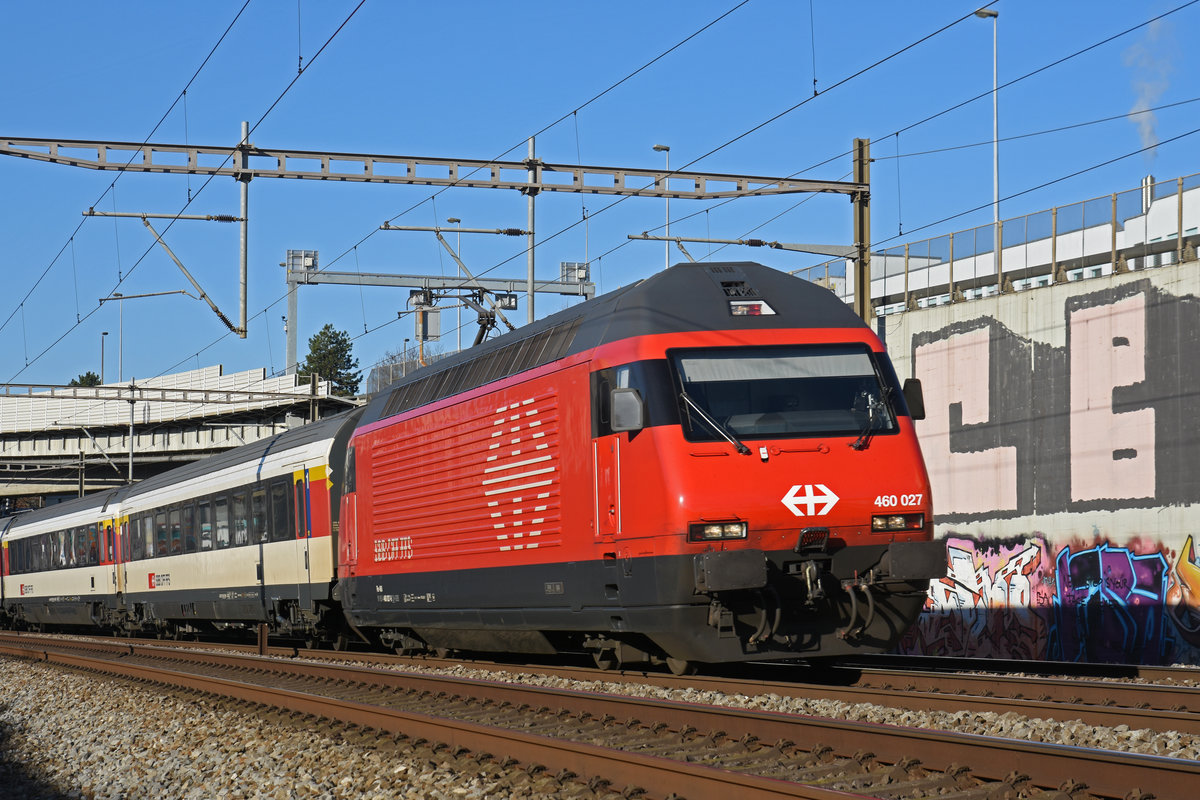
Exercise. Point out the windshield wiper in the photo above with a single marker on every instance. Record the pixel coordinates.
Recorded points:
(716, 426)
(876, 410)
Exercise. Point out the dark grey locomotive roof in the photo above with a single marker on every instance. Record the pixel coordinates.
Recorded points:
(683, 298)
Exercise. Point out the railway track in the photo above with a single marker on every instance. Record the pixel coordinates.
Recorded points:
(595, 742)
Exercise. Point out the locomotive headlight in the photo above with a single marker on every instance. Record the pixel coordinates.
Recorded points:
(715, 531)
(898, 522)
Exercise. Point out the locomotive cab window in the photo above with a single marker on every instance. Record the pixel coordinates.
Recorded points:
(782, 392)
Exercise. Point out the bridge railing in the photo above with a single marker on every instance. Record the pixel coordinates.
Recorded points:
(1153, 225)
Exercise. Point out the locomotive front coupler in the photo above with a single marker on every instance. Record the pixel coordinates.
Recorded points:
(852, 586)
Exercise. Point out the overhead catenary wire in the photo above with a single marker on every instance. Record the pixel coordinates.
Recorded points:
(550, 125)
(112, 185)
(265, 114)
(879, 62)
(1125, 115)
(1043, 68)
(598, 258)
(1060, 179)
(543, 129)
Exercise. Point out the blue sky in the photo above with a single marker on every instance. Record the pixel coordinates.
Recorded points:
(474, 80)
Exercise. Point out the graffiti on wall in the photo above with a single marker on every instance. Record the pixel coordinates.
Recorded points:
(1090, 414)
(1028, 599)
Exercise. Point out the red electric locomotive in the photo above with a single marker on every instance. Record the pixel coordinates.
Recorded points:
(714, 464)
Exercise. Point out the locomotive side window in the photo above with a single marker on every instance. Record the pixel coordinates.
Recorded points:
(350, 479)
(791, 391)
(652, 380)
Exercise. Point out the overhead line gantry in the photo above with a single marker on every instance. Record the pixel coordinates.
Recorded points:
(531, 176)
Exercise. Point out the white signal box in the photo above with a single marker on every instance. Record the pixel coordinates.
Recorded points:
(429, 324)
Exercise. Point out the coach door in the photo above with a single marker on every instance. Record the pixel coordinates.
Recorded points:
(302, 505)
(111, 546)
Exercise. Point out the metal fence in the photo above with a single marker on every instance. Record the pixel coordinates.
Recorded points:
(1155, 224)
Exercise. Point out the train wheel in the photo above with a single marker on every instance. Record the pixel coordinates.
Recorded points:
(606, 659)
(680, 666)
(341, 642)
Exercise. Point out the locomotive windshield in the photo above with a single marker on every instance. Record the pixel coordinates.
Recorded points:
(791, 391)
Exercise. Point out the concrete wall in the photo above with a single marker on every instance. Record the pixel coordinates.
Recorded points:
(1063, 444)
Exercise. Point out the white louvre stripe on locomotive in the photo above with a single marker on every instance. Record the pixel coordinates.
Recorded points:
(526, 451)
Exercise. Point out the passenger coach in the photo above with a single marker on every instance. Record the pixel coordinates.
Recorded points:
(60, 564)
(238, 539)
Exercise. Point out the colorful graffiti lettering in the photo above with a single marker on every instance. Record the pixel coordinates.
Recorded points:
(1183, 598)
(1110, 606)
(1018, 600)
(984, 605)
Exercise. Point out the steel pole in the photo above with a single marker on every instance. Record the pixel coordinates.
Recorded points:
(862, 232)
(532, 175)
(131, 404)
(244, 179)
(293, 311)
(995, 142)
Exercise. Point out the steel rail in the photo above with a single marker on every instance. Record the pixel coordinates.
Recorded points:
(662, 776)
(1108, 773)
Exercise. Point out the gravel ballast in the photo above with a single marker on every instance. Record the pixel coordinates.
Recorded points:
(68, 735)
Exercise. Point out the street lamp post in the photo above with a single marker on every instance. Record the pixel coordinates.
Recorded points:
(120, 337)
(994, 16)
(121, 326)
(404, 361)
(665, 149)
(102, 335)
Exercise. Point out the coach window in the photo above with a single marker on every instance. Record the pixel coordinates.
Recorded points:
(176, 528)
(162, 544)
(188, 527)
(93, 544)
(221, 521)
(137, 549)
(204, 524)
(148, 536)
(241, 520)
(68, 539)
(281, 527)
(258, 515)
